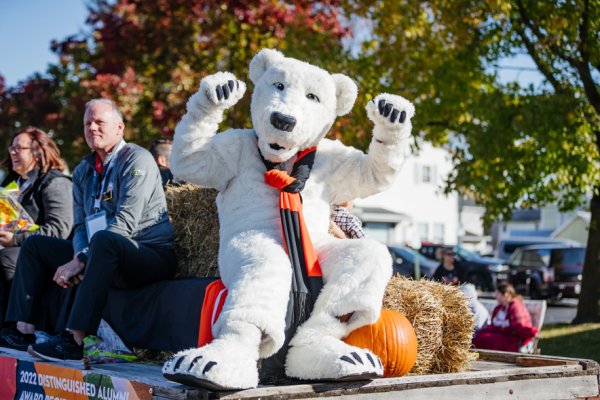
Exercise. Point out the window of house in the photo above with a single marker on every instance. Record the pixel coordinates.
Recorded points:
(423, 231)
(380, 231)
(438, 233)
(426, 174)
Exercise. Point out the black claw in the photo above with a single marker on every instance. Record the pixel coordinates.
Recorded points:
(226, 91)
(219, 92)
(194, 361)
(237, 84)
(381, 105)
(208, 366)
(357, 357)
(379, 362)
(394, 115)
(230, 83)
(402, 117)
(347, 359)
(387, 109)
(178, 363)
(370, 359)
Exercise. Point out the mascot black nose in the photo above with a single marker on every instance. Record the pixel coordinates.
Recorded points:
(283, 122)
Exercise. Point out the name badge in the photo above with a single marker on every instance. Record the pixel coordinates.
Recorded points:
(95, 223)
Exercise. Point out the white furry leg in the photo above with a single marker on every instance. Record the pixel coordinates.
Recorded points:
(355, 273)
(328, 357)
(227, 363)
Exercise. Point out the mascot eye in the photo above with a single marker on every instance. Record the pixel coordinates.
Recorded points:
(279, 85)
(313, 97)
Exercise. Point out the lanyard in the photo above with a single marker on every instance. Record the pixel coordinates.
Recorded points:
(23, 185)
(100, 185)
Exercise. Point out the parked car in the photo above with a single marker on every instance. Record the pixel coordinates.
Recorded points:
(404, 262)
(507, 246)
(547, 271)
(473, 268)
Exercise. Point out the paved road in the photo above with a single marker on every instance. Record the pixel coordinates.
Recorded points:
(562, 312)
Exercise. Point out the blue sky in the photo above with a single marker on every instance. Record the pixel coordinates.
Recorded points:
(26, 29)
(28, 26)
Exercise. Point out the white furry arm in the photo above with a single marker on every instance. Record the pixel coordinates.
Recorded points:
(198, 156)
(360, 175)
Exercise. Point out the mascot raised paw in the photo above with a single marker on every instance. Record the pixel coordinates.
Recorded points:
(293, 291)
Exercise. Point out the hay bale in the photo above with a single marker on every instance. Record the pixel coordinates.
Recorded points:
(193, 212)
(442, 320)
(422, 309)
(458, 323)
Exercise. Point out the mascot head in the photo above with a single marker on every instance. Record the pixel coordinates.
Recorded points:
(294, 103)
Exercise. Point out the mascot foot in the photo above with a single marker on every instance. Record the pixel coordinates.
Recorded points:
(332, 359)
(220, 365)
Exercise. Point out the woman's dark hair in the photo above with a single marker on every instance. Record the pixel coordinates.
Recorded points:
(43, 149)
(506, 288)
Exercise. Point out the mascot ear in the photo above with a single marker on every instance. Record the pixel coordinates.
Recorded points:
(262, 61)
(345, 92)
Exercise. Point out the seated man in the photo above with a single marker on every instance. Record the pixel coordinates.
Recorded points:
(122, 238)
(161, 151)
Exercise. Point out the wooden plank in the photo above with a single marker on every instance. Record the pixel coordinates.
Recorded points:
(489, 365)
(526, 361)
(529, 389)
(502, 356)
(407, 383)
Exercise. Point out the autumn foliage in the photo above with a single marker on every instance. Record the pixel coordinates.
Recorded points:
(150, 56)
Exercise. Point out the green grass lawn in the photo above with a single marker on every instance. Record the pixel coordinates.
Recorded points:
(578, 341)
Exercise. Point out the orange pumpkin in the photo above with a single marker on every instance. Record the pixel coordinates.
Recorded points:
(392, 338)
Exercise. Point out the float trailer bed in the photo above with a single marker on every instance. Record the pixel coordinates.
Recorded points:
(495, 375)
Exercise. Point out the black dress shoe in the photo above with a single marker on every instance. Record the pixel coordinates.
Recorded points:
(14, 339)
(61, 347)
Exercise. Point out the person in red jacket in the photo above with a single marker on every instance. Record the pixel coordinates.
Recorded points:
(511, 325)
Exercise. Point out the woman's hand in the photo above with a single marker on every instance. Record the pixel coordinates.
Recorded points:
(7, 239)
(69, 274)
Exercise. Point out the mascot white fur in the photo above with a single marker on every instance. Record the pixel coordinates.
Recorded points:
(294, 105)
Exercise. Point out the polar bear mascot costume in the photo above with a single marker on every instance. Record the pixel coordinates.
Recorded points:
(294, 104)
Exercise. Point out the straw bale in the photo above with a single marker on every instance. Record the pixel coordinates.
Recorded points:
(193, 212)
(458, 323)
(442, 320)
(422, 309)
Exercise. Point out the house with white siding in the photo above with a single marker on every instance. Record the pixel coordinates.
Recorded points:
(415, 208)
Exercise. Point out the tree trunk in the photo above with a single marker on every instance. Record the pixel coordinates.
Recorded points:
(588, 309)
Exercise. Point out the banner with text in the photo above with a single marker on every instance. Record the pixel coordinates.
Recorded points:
(25, 380)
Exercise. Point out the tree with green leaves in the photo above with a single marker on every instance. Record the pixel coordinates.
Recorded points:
(513, 146)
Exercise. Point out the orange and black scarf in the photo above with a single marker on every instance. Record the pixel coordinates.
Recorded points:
(307, 278)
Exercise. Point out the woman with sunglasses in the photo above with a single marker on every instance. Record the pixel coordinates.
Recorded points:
(44, 192)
